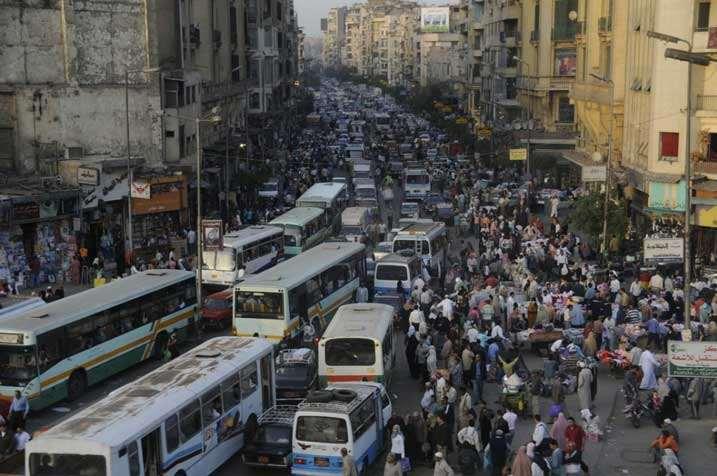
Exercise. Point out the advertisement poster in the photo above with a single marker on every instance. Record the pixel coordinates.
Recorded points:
(435, 19)
(565, 62)
(663, 250)
(141, 189)
(212, 234)
(518, 154)
(692, 359)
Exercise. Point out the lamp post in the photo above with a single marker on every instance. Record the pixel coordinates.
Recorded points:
(129, 157)
(608, 168)
(527, 155)
(690, 58)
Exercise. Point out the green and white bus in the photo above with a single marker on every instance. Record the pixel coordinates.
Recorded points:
(304, 227)
(312, 285)
(55, 351)
(330, 196)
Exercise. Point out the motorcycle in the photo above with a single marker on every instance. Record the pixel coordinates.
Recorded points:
(669, 464)
(636, 408)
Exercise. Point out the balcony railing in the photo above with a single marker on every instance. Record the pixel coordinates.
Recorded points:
(707, 103)
(564, 33)
(604, 24)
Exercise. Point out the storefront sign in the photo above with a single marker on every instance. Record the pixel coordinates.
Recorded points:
(141, 189)
(663, 250)
(88, 176)
(692, 359)
(594, 173)
(519, 154)
(168, 194)
(212, 234)
(26, 211)
(706, 216)
(667, 196)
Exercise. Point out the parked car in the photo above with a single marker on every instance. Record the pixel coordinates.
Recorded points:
(217, 309)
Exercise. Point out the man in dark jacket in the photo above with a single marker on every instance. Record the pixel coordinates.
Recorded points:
(498, 452)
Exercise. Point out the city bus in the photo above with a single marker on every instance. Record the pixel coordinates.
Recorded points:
(185, 418)
(428, 240)
(246, 251)
(56, 351)
(310, 286)
(358, 345)
(348, 415)
(304, 227)
(404, 266)
(355, 222)
(329, 196)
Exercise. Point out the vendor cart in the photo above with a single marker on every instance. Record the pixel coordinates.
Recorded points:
(518, 402)
(541, 341)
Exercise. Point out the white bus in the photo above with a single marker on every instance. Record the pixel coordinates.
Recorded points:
(185, 418)
(20, 307)
(329, 196)
(310, 286)
(366, 194)
(382, 121)
(404, 266)
(304, 227)
(428, 240)
(57, 350)
(416, 183)
(355, 222)
(246, 251)
(351, 416)
(358, 345)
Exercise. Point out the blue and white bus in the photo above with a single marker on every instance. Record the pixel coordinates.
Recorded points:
(330, 197)
(351, 416)
(427, 240)
(404, 266)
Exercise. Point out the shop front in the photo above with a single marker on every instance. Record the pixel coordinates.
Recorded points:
(705, 220)
(38, 236)
(159, 219)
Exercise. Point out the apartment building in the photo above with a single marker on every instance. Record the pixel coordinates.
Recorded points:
(334, 29)
(475, 46)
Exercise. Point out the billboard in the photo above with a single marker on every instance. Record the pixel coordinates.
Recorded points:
(692, 359)
(664, 250)
(435, 19)
(565, 62)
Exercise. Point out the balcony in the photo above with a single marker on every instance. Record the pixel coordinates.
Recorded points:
(564, 33)
(706, 103)
(604, 25)
(477, 25)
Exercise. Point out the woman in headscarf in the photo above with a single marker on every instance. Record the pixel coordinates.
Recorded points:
(557, 431)
(411, 346)
(415, 435)
(521, 463)
(432, 361)
(485, 426)
(590, 345)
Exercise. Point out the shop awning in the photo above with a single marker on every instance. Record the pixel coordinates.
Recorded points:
(590, 171)
(112, 187)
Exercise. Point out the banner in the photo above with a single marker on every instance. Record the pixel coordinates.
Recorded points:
(594, 173)
(212, 234)
(692, 359)
(141, 189)
(663, 250)
(518, 154)
(435, 19)
(88, 176)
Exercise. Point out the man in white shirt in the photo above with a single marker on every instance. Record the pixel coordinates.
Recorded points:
(656, 282)
(469, 436)
(497, 331)
(509, 302)
(419, 283)
(446, 307)
(540, 432)
(472, 335)
(614, 285)
(511, 418)
(416, 317)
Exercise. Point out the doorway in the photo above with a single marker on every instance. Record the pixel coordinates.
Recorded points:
(151, 454)
(267, 391)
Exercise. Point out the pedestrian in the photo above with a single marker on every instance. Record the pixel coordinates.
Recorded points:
(467, 460)
(478, 377)
(469, 436)
(440, 435)
(511, 418)
(498, 452)
(585, 377)
(557, 459)
(411, 348)
(362, 293)
(21, 438)
(521, 463)
(694, 396)
(575, 435)
(573, 460)
(649, 365)
(485, 426)
(664, 441)
(19, 409)
(540, 432)
(7, 441)
(557, 431)
(392, 466)
(348, 465)
(441, 467)
(398, 443)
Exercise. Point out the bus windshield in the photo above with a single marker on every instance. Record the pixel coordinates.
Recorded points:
(399, 245)
(292, 237)
(273, 434)
(350, 351)
(219, 260)
(67, 464)
(17, 365)
(391, 272)
(417, 179)
(255, 305)
(319, 429)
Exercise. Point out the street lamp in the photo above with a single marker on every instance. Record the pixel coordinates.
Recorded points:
(608, 168)
(527, 155)
(129, 158)
(686, 56)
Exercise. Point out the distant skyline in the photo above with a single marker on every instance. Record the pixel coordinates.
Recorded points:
(312, 11)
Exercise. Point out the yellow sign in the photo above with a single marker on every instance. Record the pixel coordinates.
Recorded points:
(706, 216)
(483, 132)
(518, 154)
(461, 120)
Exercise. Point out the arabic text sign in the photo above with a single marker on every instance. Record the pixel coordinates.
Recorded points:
(664, 249)
(692, 359)
(518, 154)
(88, 176)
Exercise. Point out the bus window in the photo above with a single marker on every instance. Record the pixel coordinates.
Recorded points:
(225, 259)
(391, 272)
(171, 433)
(249, 380)
(133, 456)
(44, 463)
(313, 290)
(350, 351)
(318, 429)
(50, 349)
(259, 305)
(230, 392)
(362, 418)
(211, 406)
(190, 421)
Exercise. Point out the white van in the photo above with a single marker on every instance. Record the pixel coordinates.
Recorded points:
(269, 189)
(366, 194)
(355, 222)
(404, 266)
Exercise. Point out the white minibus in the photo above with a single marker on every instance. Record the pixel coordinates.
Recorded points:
(404, 266)
(428, 240)
(355, 222)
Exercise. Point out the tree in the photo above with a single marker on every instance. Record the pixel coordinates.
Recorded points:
(588, 213)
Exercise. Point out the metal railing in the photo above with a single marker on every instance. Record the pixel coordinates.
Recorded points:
(707, 103)
(564, 33)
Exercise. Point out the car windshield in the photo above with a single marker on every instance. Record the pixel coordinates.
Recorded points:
(417, 179)
(366, 192)
(17, 365)
(294, 371)
(217, 304)
(47, 464)
(399, 245)
(274, 434)
(391, 272)
(270, 187)
(258, 305)
(318, 429)
(350, 351)
(351, 230)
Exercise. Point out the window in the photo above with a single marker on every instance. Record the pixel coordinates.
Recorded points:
(249, 380)
(50, 349)
(231, 392)
(703, 16)
(393, 272)
(669, 146)
(712, 153)
(169, 134)
(362, 418)
(133, 457)
(65, 463)
(319, 429)
(182, 151)
(212, 406)
(536, 18)
(190, 421)
(313, 290)
(171, 433)
(350, 352)
(566, 111)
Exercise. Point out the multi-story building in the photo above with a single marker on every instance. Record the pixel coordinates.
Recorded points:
(334, 37)
(475, 46)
